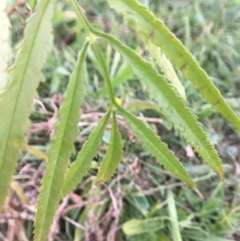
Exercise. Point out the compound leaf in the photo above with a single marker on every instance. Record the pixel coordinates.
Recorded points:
(170, 103)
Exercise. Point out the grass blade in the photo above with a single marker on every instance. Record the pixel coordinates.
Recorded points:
(35, 152)
(138, 226)
(173, 217)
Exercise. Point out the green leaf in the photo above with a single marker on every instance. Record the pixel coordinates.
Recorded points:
(156, 147)
(171, 104)
(35, 152)
(114, 151)
(176, 235)
(16, 101)
(163, 237)
(147, 24)
(66, 130)
(166, 68)
(96, 209)
(113, 154)
(138, 226)
(139, 201)
(116, 59)
(124, 74)
(82, 164)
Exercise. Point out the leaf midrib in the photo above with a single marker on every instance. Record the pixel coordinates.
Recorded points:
(156, 150)
(191, 62)
(110, 151)
(60, 147)
(179, 113)
(74, 171)
(20, 88)
(137, 58)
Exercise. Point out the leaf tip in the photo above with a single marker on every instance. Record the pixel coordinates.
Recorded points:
(221, 176)
(220, 173)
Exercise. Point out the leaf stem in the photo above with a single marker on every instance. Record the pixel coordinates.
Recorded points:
(82, 16)
(92, 33)
(104, 69)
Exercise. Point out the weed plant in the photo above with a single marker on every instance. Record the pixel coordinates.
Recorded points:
(142, 201)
